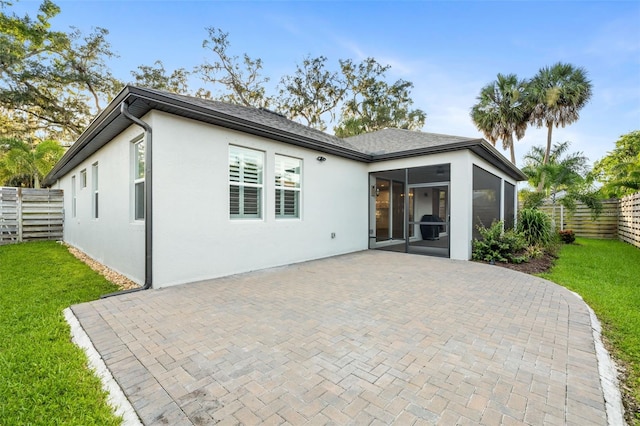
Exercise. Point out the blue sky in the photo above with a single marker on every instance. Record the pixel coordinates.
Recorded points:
(449, 50)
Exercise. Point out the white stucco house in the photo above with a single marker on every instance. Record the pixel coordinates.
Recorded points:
(168, 189)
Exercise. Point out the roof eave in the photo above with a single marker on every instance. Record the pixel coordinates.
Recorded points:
(102, 120)
(489, 153)
(480, 147)
(84, 147)
(88, 142)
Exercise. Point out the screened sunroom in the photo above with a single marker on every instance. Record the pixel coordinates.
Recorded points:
(435, 209)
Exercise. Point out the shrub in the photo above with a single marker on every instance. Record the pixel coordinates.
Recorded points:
(535, 226)
(535, 251)
(498, 245)
(531, 199)
(567, 236)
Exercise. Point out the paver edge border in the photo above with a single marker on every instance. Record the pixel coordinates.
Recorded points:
(116, 397)
(614, 408)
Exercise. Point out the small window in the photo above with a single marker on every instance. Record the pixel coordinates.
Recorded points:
(83, 178)
(288, 172)
(94, 188)
(245, 183)
(74, 197)
(138, 179)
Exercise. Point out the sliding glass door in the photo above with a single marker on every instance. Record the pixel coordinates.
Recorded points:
(431, 223)
(383, 215)
(412, 210)
(397, 210)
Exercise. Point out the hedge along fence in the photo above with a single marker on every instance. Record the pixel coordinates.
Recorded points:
(629, 223)
(30, 214)
(581, 221)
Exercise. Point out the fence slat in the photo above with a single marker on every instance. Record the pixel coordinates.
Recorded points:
(30, 214)
(619, 219)
(8, 215)
(581, 221)
(629, 225)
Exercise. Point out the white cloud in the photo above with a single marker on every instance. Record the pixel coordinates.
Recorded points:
(617, 40)
(352, 47)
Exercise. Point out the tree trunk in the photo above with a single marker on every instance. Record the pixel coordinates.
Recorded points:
(513, 153)
(546, 155)
(548, 151)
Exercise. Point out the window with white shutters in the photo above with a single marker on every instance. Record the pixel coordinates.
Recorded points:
(246, 183)
(288, 172)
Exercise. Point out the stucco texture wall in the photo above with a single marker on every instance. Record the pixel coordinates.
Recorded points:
(194, 237)
(114, 238)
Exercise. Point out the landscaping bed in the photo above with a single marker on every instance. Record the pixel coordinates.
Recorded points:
(533, 266)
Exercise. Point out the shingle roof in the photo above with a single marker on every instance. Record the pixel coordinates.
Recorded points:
(376, 146)
(389, 141)
(259, 116)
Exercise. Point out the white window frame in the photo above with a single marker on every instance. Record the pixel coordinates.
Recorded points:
(83, 178)
(74, 197)
(251, 176)
(138, 178)
(287, 180)
(94, 190)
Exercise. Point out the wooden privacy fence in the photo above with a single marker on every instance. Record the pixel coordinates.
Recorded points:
(581, 221)
(629, 224)
(30, 214)
(619, 219)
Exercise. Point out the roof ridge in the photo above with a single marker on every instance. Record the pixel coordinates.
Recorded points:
(415, 132)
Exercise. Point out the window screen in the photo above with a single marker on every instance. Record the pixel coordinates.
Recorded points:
(486, 199)
(509, 205)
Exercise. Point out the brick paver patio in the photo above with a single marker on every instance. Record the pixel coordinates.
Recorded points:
(367, 338)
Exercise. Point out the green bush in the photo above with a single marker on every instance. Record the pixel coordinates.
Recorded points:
(535, 226)
(567, 236)
(534, 252)
(531, 199)
(498, 245)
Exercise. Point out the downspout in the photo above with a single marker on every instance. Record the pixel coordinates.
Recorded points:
(148, 210)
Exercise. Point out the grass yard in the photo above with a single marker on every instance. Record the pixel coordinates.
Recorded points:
(43, 376)
(606, 273)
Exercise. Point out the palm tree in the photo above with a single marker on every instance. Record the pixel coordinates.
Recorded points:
(562, 171)
(502, 110)
(563, 174)
(24, 164)
(557, 93)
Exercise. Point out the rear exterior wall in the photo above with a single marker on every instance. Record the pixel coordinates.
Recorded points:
(194, 236)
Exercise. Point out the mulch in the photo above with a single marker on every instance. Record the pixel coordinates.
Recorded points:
(537, 265)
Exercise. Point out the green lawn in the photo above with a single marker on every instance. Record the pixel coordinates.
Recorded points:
(43, 376)
(606, 273)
